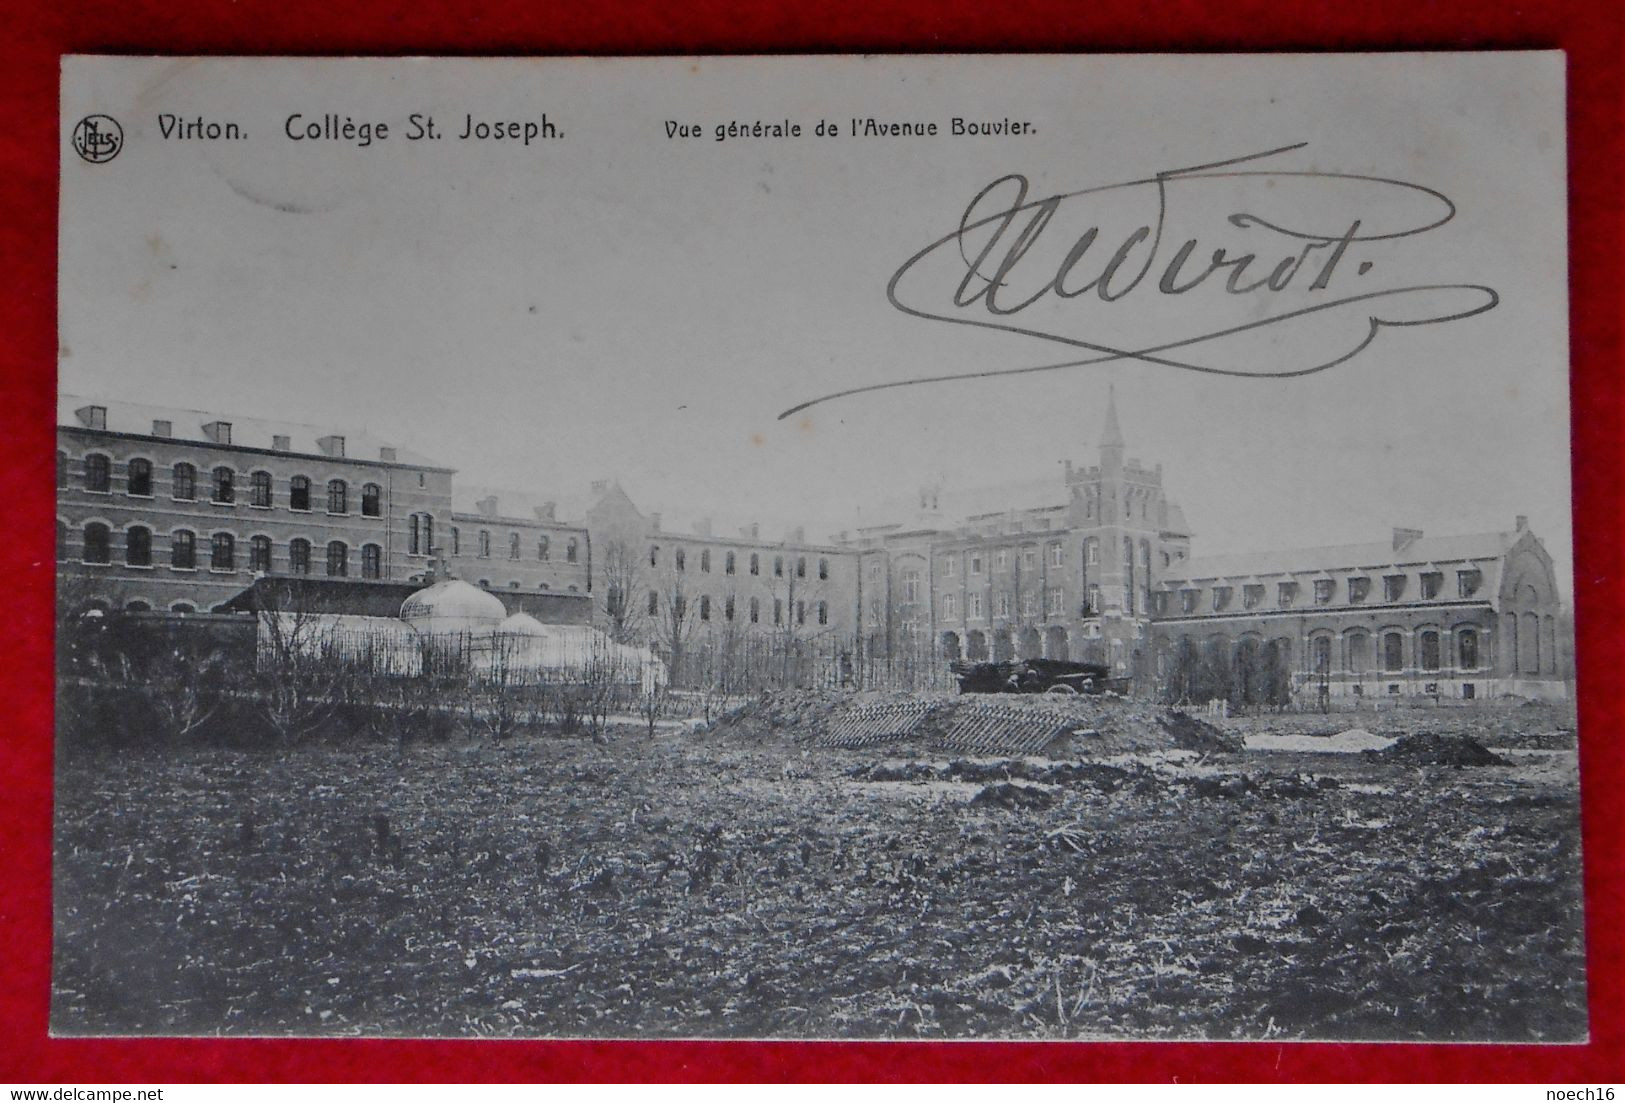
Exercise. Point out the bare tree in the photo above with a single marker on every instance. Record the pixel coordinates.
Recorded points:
(298, 671)
(675, 624)
(621, 578)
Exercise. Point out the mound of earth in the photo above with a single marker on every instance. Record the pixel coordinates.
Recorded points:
(994, 723)
(1433, 749)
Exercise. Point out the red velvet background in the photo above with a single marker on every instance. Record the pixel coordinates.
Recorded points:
(34, 36)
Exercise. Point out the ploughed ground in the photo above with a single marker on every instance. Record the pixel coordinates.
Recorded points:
(746, 883)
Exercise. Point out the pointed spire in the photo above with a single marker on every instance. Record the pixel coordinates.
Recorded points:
(1113, 437)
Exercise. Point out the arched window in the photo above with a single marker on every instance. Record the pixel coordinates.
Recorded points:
(1359, 652)
(183, 550)
(485, 543)
(138, 606)
(259, 554)
(138, 546)
(61, 470)
(823, 568)
(571, 550)
(139, 483)
(98, 473)
(755, 563)
(259, 493)
(98, 543)
(705, 606)
(801, 566)
(1529, 662)
(654, 555)
(372, 561)
(456, 540)
(823, 612)
(728, 563)
(299, 493)
(705, 560)
(778, 566)
(299, 555)
(61, 540)
(679, 559)
(183, 482)
(338, 495)
(1321, 652)
(801, 612)
(755, 610)
(372, 500)
(183, 607)
(222, 552)
(1393, 652)
(225, 485)
(1467, 648)
(1428, 643)
(541, 546)
(338, 559)
(728, 608)
(654, 603)
(513, 545)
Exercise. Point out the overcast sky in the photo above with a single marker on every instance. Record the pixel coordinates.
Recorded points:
(619, 303)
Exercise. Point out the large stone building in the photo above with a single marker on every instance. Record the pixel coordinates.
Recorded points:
(171, 509)
(1061, 569)
(178, 510)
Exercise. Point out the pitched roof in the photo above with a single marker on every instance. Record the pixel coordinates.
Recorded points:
(246, 432)
(1341, 557)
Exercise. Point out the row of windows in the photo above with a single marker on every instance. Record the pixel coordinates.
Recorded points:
(516, 546)
(679, 560)
(1357, 591)
(1004, 604)
(678, 609)
(223, 554)
(1430, 647)
(222, 485)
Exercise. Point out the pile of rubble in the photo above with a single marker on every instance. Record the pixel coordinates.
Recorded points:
(979, 724)
(1433, 749)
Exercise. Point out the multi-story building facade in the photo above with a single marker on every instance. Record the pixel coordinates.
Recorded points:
(502, 548)
(1448, 617)
(171, 509)
(164, 509)
(651, 580)
(1068, 576)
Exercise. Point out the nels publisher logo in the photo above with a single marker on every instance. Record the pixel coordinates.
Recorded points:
(98, 138)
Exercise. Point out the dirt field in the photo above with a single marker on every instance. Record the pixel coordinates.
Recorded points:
(715, 885)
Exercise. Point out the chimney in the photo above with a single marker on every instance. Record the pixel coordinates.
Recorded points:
(1404, 538)
(92, 417)
(218, 431)
(702, 527)
(331, 445)
(547, 511)
(162, 428)
(1523, 522)
(387, 454)
(487, 505)
(281, 443)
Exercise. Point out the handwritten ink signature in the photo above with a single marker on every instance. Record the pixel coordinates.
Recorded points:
(1011, 255)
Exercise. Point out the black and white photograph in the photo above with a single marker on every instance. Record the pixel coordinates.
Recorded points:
(827, 547)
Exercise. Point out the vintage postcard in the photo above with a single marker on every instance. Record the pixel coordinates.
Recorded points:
(820, 547)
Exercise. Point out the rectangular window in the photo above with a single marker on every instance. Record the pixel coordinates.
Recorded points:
(974, 604)
(1057, 602)
(1252, 595)
(1432, 583)
(1468, 582)
(1001, 558)
(1359, 590)
(1323, 591)
(1393, 587)
(1187, 600)
(948, 605)
(948, 564)
(1286, 594)
(1221, 598)
(1094, 599)
(1029, 558)
(975, 564)
(1057, 556)
(1004, 605)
